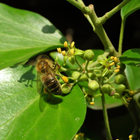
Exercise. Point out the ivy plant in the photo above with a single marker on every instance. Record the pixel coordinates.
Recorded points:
(98, 79)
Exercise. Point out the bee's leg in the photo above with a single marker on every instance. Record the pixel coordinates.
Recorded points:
(56, 67)
(64, 79)
(46, 92)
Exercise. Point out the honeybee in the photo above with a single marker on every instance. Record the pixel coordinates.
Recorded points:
(46, 73)
(46, 76)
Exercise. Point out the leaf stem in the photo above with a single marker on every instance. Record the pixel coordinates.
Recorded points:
(108, 133)
(102, 20)
(79, 64)
(106, 81)
(62, 69)
(99, 30)
(80, 5)
(105, 115)
(92, 65)
(121, 36)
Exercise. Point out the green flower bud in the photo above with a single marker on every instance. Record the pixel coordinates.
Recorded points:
(120, 89)
(89, 55)
(66, 88)
(93, 85)
(116, 95)
(72, 59)
(84, 77)
(106, 89)
(75, 75)
(120, 79)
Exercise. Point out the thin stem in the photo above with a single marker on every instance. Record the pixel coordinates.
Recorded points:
(87, 62)
(105, 115)
(89, 20)
(80, 5)
(121, 36)
(99, 30)
(65, 69)
(106, 81)
(92, 65)
(80, 1)
(92, 18)
(109, 14)
(108, 133)
(95, 68)
(76, 81)
(78, 64)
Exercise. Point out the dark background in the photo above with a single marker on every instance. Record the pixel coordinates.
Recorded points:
(67, 17)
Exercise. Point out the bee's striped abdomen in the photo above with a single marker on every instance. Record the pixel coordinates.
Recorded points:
(51, 84)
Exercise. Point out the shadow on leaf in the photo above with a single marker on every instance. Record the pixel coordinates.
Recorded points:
(48, 29)
(28, 77)
(53, 101)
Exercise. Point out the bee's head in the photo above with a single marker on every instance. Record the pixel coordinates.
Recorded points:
(41, 66)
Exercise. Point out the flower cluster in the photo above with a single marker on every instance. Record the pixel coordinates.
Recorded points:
(70, 53)
(105, 75)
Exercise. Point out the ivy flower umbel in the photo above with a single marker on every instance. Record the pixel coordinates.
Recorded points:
(70, 52)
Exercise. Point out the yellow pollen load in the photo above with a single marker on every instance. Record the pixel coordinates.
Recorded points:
(118, 66)
(65, 44)
(116, 59)
(117, 70)
(112, 64)
(76, 136)
(131, 92)
(59, 50)
(65, 79)
(112, 57)
(130, 136)
(63, 53)
(92, 103)
(72, 51)
(72, 44)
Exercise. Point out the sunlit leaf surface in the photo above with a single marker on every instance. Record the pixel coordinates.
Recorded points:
(24, 34)
(20, 114)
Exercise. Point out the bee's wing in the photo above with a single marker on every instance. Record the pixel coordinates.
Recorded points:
(42, 104)
(39, 84)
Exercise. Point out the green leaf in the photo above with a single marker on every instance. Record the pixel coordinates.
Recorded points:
(24, 34)
(133, 76)
(129, 8)
(21, 117)
(131, 57)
